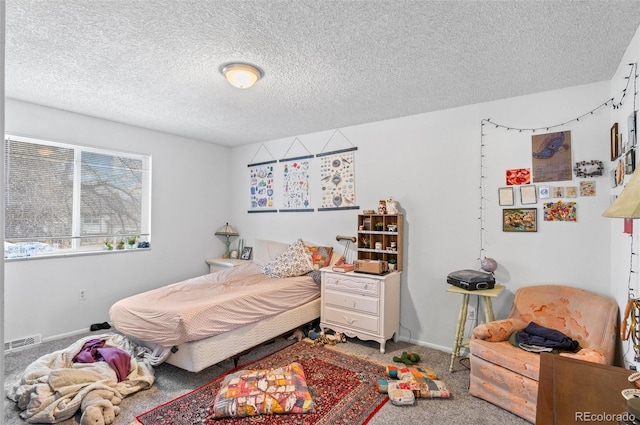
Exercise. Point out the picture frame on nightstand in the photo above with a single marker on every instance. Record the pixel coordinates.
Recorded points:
(246, 253)
(234, 253)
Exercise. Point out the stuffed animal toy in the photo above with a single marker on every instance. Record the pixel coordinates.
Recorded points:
(297, 334)
(407, 358)
(330, 339)
(392, 206)
(99, 407)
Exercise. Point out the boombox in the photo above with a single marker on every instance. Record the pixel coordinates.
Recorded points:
(471, 280)
(371, 266)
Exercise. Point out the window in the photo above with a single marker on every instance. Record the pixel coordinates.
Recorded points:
(62, 198)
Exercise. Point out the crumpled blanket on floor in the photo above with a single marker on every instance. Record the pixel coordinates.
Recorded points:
(53, 387)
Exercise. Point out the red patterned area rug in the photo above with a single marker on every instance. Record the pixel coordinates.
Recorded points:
(343, 388)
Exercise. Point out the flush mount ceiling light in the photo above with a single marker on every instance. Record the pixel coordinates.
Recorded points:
(241, 75)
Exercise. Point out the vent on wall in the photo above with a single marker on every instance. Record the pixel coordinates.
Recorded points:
(22, 342)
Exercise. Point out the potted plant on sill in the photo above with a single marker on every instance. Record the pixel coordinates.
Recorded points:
(131, 242)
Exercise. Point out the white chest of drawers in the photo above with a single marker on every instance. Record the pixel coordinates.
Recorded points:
(362, 306)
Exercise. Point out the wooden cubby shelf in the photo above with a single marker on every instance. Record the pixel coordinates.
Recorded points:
(380, 238)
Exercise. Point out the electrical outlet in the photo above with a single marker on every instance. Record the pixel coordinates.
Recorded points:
(83, 294)
(471, 314)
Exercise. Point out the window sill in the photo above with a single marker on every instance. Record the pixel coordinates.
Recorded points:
(73, 254)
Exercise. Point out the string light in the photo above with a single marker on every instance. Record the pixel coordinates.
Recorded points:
(550, 127)
(634, 328)
(481, 218)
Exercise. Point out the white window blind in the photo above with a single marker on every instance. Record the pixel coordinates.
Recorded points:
(62, 198)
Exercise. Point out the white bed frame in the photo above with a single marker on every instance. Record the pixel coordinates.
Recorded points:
(198, 355)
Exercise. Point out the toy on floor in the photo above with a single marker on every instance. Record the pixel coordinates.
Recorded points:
(423, 382)
(297, 334)
(313, 335)
(304, 332)
(330, 339)
(407, 358)
(100, 407)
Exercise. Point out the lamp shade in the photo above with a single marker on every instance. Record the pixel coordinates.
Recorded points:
(227, 230)
(627, 204)
(241, 75)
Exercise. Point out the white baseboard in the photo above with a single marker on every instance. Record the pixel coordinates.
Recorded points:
(67, 334)
(425, 344)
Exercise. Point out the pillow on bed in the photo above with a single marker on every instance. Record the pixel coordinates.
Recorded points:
(320, 256)
(260, 392)
(295, 261)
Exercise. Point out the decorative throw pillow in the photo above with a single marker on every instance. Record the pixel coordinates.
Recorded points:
(263, 392)
(320, 256)
(421, 380)
(295, 261)
(400, 393)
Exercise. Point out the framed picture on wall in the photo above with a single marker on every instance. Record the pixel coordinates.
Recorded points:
(544, 192)
(505, 196)
(614, 142)
(630, 162)
(519, 220)
(631, 127)
(528, 194)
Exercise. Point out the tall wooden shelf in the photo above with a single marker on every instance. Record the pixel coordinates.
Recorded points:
(369, 235)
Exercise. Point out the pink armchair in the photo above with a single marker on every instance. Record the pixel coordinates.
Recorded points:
(507, 376)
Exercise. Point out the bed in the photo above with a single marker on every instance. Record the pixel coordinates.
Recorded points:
(204, 320)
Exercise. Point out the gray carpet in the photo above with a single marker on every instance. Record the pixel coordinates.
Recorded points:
(172, 382)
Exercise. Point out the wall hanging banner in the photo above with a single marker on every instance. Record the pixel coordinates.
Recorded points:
(338, 180)
(261, 189)
(296, 185)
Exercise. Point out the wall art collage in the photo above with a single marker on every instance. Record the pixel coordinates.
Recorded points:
(551, 162)
(623, 150)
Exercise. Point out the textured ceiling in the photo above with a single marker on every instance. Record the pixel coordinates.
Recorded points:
(327, 64)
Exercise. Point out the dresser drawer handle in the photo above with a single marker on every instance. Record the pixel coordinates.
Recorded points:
(349, 321)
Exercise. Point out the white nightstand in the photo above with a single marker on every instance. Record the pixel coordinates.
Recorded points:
(217, 263)
(361, 305)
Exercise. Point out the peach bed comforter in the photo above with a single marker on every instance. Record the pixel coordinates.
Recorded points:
(209, 305)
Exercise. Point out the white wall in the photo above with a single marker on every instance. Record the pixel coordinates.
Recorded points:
(430, 163)
(189, 203)
(2, 298)
(622, 261)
